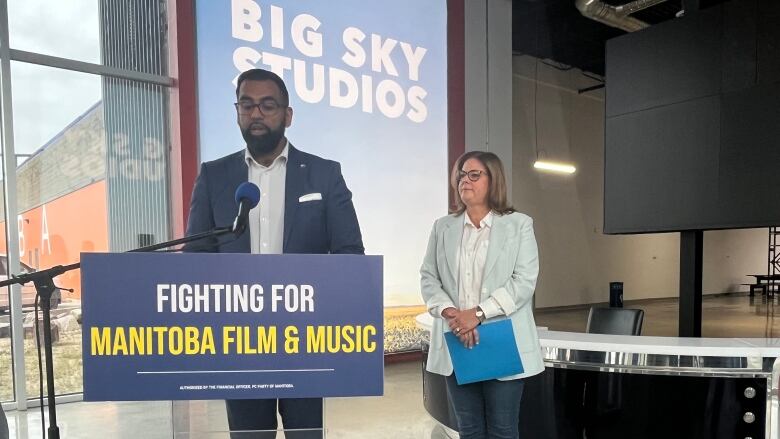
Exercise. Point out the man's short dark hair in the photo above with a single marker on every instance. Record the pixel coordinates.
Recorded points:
(264, 75)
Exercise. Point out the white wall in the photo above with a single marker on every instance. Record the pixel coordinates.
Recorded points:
(488, 77)
(577, 260)
(731, 254)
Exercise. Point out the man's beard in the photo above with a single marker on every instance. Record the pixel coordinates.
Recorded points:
(262, 144)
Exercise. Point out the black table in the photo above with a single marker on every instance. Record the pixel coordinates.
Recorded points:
(764, 282)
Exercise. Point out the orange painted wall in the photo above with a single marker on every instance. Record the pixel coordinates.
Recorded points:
(76, 222)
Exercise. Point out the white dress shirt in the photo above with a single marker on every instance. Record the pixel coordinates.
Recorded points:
(266, 221)
(471, 260)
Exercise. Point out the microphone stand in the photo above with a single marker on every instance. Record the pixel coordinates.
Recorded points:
(44, 285)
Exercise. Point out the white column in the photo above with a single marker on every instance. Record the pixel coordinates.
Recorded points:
(12, 231)
(488, 79)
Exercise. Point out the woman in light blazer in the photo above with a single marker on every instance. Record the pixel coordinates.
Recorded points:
(481, 265)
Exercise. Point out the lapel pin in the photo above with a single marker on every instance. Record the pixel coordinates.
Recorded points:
(303, 165)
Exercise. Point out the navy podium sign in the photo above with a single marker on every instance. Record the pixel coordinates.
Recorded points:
(160, 326)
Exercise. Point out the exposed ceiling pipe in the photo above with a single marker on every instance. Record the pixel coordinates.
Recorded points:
(636, 6)
(616, 16)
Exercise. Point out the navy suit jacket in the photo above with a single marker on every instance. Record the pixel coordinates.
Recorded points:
(322, 226)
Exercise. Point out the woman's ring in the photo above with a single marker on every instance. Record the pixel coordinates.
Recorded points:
(457, 330)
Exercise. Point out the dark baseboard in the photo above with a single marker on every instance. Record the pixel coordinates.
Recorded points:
(402, 357)
(633, 302)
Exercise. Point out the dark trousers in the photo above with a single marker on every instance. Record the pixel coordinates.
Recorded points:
(249, 415)
(487, 409)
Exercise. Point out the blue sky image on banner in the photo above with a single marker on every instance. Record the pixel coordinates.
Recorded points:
(368, 83)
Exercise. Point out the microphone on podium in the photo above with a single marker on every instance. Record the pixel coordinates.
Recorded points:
(247, 197)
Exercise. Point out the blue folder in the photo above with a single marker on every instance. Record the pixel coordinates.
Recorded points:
(495, 356)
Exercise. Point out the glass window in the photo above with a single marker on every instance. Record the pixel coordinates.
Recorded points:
(91, 158)
(61, 198)
(91, 176)
(67, 29)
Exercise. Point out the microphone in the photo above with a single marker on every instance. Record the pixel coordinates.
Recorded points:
(247, 197)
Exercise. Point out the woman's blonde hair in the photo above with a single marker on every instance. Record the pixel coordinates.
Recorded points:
(497, 201)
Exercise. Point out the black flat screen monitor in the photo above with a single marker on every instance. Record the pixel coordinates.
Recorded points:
(692, 139)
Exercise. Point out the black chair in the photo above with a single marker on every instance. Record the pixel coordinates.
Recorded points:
(603, 394)
(615, 321)
(557, 403)
(610, 321)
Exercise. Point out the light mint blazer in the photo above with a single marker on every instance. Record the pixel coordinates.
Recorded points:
(511, 268)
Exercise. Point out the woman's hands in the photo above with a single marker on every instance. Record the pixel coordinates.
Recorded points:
(463, 324)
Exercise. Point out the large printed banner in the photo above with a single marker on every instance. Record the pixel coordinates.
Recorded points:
(231, 326)
(367, 82)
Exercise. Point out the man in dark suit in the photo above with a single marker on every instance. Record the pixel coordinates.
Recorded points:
(305, 207)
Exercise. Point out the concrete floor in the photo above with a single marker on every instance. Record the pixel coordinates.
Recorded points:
(733, 315)
(399, 413)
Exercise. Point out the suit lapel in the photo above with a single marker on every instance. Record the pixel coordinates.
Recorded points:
(238, 173)
(293, 186)
(498, 240)
(452, 237)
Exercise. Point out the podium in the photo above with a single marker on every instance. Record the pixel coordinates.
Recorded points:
(201, 326)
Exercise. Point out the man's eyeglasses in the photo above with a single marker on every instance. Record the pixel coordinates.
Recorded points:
(473, 175)
(268, 107)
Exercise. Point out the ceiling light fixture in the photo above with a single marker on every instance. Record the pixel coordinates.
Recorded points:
(545, 165)
(563, 168)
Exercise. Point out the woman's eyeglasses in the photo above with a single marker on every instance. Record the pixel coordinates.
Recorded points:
(472, 175)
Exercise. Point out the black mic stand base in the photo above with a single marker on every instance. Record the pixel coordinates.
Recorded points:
(45, 287)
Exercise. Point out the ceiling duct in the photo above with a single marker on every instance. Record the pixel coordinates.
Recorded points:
(616, 16)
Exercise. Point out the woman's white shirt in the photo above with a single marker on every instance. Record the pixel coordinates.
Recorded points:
(471, 262)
